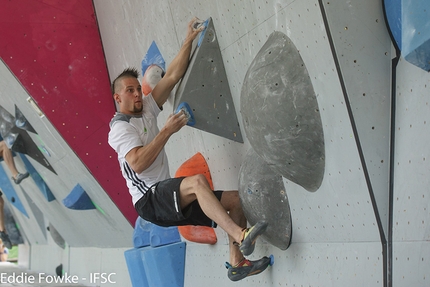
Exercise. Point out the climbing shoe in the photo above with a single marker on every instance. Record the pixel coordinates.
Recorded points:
(6, 240)
(247, 268)
(250, 236)
(20, 177)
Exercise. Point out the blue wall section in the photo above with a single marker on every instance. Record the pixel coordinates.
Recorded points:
(41, 184)
(409, 23)
(393, 11)
(159, 266)
(146, 233)
(78, 199)
(9, 191)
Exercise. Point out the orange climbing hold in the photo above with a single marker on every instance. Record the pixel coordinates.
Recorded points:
(200, 234)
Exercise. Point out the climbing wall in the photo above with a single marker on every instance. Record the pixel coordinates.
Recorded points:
(344, 232)
(335, 228)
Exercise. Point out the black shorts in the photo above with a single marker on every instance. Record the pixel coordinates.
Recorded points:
(161, 206)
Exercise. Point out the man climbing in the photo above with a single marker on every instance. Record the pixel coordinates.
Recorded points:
(17, 177)
(3, 235)
(8, 159)
(157, 197)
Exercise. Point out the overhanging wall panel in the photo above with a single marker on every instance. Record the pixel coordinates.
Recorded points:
(54, 50)
(77, 228)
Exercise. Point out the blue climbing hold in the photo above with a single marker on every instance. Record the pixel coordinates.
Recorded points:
(78, 199)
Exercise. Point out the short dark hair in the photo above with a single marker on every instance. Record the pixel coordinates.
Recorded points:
(127, 73)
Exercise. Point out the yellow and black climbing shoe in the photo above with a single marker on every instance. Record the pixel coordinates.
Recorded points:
(250, 235)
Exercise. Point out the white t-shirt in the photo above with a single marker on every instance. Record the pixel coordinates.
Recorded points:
(128, 132)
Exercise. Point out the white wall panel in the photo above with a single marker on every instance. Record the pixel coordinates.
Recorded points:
(303, 264)
(410, 266)
(88, 263)
(335, 234)
(411, 198)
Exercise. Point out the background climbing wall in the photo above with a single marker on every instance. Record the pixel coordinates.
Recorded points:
(57, 56)
(339, 231)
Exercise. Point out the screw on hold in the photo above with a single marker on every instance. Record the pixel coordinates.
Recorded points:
(45, 150)
(186, 109)
(187, 114)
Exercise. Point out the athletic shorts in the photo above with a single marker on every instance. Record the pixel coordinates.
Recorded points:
(161, 206)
